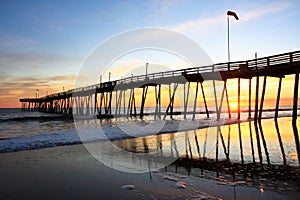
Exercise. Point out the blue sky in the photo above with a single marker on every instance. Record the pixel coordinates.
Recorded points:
(43, 43)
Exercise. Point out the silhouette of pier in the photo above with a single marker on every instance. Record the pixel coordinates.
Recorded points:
(97, 99)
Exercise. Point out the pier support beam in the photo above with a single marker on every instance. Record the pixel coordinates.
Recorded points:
(295, 104)
(278, 98)
(215, 97)
(239, 98)
(144, 95)
(131, 104)
(256, 99)
(158, 102)
(262, 98)
(186, 98)
(249, 102)
(227, 99)
(171, 103)
(195, 101)
(221, 103)
(204, 99)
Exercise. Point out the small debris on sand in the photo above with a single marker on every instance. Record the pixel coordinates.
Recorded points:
(180, 185)
(128, 187)
(169, 178)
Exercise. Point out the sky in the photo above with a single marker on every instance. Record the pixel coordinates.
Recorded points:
(43, 44)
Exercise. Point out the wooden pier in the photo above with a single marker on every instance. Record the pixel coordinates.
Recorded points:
(98, 99)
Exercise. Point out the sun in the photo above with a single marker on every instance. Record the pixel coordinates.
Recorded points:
(233, 106)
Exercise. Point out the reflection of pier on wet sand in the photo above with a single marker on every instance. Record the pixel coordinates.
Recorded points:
(236, 150)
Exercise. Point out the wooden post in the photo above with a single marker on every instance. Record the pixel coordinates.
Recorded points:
(133, 103)
(157, 99)
(156, 102)
(295, 104)
(239, 98)
(215, 97)
(217, 154)
(171, 103)
(173, 96)
(249, 102)
(204, 99)
(95, 104)
(278, 98)
(145, 89)
(110, 101)
(105, 102)
(186, 98)
(262, 98)
(129, 103)
(195, 101)
(296, 135)
(124, 101)
(221, 103)
(256, 99)
(227, 99)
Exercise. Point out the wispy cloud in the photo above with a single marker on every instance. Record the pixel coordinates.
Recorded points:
(206, 24)
(14, 40)
(163, 5)
(198, 24)
(260, 12)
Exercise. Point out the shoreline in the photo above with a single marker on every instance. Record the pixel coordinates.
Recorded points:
(74, 138)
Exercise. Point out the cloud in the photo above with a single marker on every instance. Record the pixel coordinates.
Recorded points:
(260, 12)
(14, 88)
(71, 77)
(206, 24)
(14, 40)
(23, 58)
(199, 24)
(163, 5)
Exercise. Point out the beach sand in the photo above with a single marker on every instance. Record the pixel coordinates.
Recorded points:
(70, 172)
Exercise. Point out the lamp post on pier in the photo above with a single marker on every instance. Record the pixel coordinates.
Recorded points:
(147, 69)
(36, 93)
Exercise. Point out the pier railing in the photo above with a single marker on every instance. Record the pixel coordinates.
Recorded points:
(254, 64)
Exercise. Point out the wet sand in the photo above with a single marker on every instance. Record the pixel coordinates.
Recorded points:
(70, 172)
